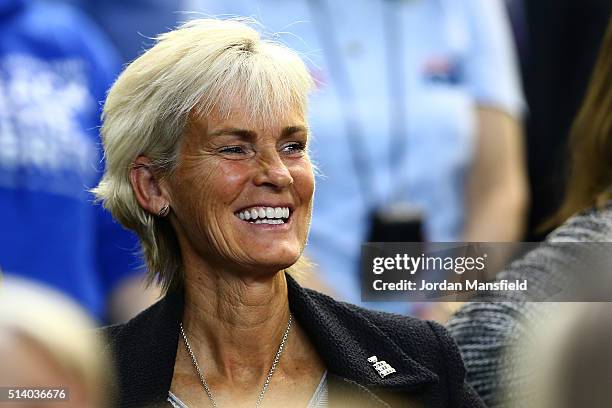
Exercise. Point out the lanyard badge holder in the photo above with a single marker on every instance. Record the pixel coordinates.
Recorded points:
(397, 221)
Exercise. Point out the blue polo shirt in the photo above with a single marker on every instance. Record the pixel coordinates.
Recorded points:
(55, 68)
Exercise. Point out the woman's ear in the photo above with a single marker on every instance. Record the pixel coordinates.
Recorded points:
(147, 188)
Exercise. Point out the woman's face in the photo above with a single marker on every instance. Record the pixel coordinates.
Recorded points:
(242, 190)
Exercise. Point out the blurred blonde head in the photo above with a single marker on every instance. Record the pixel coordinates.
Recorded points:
(203, 65)
(46, 340)
(566, 362)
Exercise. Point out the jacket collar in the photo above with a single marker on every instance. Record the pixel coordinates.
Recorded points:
(341, 334)
(345, 338)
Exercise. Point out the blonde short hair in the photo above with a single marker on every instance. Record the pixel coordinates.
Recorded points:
(196, 68)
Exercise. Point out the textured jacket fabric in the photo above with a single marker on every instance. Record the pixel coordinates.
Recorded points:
(429, 370)
(488, 331)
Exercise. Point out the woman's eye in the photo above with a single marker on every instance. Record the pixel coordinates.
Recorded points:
(294, 147)
(233, 150)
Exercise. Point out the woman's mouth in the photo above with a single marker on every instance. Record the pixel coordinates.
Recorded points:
(264, 215)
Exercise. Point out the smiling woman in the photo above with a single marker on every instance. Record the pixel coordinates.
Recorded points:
(235, 163)
(206, 145)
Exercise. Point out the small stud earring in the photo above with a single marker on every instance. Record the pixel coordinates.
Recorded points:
(164, 211)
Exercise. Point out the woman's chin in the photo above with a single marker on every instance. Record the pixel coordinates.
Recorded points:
(275, 265)
(283, 253)
(270, 265)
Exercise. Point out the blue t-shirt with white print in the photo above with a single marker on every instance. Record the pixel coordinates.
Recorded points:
(55, 68)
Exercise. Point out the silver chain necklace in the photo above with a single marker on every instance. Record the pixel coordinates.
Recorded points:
(266, 385)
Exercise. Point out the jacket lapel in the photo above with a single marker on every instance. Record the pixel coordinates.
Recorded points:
(345, 338)
(147, 347)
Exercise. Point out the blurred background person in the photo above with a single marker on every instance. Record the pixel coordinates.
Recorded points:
(46, 340)
(416, 120)
(131, 25)
(486, 331)
(55, 68)
(570, 369)
(558, 42)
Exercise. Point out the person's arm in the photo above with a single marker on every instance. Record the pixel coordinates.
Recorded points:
(497, 192)
(486, 334)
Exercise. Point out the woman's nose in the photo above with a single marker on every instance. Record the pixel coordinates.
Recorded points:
(273, 172)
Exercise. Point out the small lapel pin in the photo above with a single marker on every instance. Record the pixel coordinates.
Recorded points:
(382, 368)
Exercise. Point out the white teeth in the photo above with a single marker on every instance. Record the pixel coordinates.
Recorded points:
(265, 215)
(267, 221)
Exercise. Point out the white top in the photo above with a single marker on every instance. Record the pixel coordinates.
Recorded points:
(318, 400)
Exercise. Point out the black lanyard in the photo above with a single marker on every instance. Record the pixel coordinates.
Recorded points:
(397, 94)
